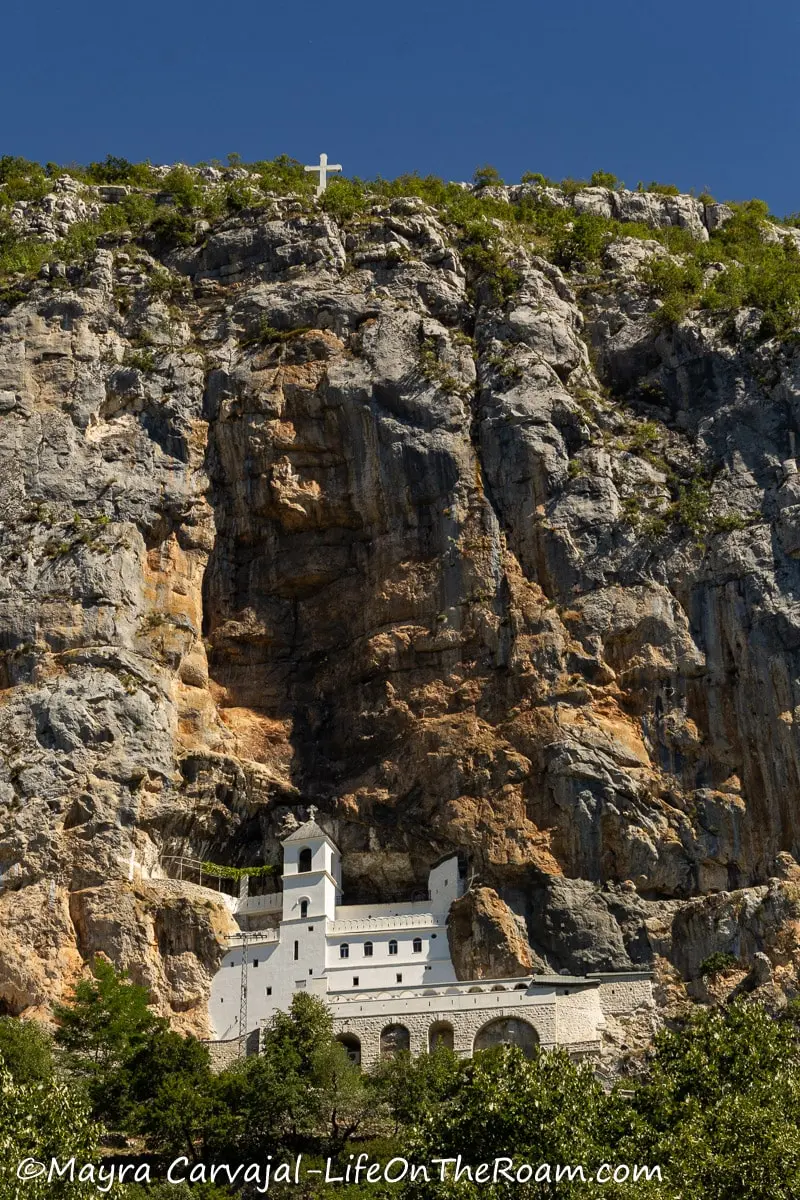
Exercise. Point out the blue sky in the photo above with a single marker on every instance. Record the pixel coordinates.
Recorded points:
(699, 95)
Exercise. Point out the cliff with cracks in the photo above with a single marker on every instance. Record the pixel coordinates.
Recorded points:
(470, 517)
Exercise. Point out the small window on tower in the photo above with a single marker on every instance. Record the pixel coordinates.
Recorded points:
(399, 977)
(269, 991)
(303, 909)
(367, 949)
(418, 945)
(296, 951)
(255, 962)
(393, 946)
(344, 950)
(304, 861)
(355, 981)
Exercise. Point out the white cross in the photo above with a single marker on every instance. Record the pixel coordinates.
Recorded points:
(323, 168)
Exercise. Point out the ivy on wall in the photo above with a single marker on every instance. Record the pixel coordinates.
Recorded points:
(220, 872)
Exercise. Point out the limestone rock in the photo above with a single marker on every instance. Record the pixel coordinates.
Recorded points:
(485, 939)
(51, 217)
(343, 523)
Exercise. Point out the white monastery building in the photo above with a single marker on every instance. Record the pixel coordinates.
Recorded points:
(385, 972)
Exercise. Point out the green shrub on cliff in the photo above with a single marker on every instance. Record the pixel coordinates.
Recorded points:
(662, 189)
(605, 179)
(487, 177)
(116, 170)
(759, 270)
(717, 963)
(21, 180)
(283, 174)
(343, 198)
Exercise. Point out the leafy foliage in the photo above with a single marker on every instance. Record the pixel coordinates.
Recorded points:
(662, 189)
(25, 1050)
(757, 271)
(21, 180)
(344, 198)
(120, 171)
(487, 177)
(41, 1119)
(170, 227)
(604, 179)
(716, 1107)
(219, 871)
(717, 962)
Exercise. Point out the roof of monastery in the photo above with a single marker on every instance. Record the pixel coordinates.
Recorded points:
(305, 832)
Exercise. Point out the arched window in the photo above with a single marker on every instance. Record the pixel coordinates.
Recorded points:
(367, 949)
(303, 909)
(440, 1035)
(344, 950)
(353, 1047)
(394, 1040)
(304, 861)
(418, 945)
(393, 946)
(507, 1031)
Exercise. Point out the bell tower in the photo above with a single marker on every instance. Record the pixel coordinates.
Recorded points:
(312, 874)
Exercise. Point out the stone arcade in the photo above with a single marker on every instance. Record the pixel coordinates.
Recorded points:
(386, 974)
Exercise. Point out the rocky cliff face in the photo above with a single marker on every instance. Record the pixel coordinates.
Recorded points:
(312, 511)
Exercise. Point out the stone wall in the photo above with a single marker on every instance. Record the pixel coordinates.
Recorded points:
(465, 1028)
(622, 995)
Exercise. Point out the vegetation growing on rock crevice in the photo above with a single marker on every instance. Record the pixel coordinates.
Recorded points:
(751, 266)
(750, 269)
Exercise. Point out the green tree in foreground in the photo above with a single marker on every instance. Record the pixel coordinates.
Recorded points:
(721, 1107)
(540, 1110)
(26, 1051)
(42, 1120)
(107, 1017)
(716, 1106)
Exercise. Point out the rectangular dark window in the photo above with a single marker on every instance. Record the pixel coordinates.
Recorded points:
(269, 991)
(311, 970)
(255, 962)
(355, 981)
(296, 951)
(311, 929)
(399, 978)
